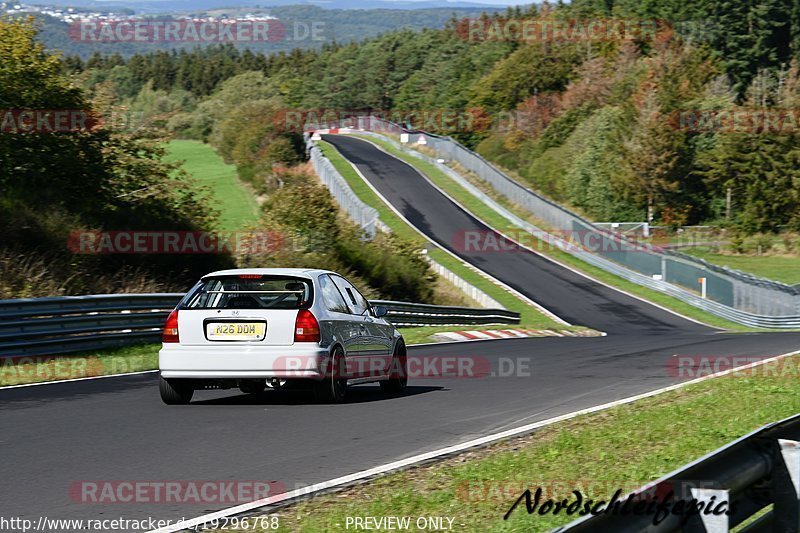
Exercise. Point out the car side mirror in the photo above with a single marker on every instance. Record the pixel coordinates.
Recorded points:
(379, 311)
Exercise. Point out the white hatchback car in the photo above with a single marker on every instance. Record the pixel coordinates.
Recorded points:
(258, 327)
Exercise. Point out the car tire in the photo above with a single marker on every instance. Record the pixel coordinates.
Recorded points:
(398, 372)
(175, 391)
(333, 387)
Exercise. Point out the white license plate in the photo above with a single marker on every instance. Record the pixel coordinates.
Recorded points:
(236, 331)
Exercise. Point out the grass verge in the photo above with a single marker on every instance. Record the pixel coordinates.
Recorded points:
(237, 205)
(42, 368)
(623, 447)
(530, 317)
(783, 268)
(482, 211)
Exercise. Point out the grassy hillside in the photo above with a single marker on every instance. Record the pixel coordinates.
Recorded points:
(783, 268)
(237, 205)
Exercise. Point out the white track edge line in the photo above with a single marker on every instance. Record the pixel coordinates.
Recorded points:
(396, 465)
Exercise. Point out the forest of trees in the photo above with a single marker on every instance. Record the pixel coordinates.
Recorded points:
(112, 176)
(588, 123)
(52, 184)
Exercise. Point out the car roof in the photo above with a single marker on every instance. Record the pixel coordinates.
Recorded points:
(305, 272)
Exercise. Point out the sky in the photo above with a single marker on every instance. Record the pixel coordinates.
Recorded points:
(444, 3)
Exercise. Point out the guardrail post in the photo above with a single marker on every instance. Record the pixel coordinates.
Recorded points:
(708, 523)
(786, 482)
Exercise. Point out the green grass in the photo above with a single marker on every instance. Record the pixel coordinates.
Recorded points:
(530, 317)
(623, 447)
(781, 268)
(237, 205)
(239, 210)
(482, 211)
(38, 369)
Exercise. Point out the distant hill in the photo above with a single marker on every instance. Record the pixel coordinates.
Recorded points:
(340, 25)
(167, 6)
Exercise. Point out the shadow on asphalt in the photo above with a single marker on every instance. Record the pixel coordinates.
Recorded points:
(355, 394)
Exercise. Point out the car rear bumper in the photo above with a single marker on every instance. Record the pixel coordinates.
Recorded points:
(301, 360)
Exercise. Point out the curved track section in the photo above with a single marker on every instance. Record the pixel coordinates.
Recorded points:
(574, 298)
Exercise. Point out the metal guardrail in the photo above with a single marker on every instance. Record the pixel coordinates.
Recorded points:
(710, 306)
(405, 314)
(754, 472)
(363, 215)
(65, 324)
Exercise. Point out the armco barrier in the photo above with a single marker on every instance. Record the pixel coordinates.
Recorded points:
(59, 325)
(731, 294)
(64, 324)
(751, 474)
(404, 314)
(363, 215)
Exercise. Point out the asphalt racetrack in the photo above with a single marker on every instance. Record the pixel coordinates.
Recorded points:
(53, 437)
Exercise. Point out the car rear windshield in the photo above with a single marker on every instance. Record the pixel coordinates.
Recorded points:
(250, 292)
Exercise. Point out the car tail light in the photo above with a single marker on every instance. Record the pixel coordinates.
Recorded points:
(306, 327)
(171, 328)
